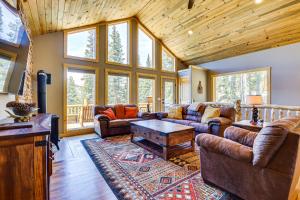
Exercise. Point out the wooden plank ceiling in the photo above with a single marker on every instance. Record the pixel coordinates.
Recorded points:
(221, 28)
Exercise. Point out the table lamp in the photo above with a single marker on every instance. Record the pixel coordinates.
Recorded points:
(254, 100)
(149, 101)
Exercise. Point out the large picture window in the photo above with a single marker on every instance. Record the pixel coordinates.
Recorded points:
(11, 28)
(82, 44)
(168, 61)
(146, 91)
(237, 86)
(145, 49)
(117, 87)
(118, 43)
(7, 62)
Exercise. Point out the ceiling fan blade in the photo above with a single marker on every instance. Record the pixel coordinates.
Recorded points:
(191, 4)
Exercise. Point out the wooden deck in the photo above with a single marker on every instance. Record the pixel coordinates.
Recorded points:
(75, 176)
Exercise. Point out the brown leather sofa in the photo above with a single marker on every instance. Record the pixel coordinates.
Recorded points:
(105, 127)
(215, 126)
(252, 165)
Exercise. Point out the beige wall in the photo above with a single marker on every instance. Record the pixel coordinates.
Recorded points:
(48, 55)
(199, 74)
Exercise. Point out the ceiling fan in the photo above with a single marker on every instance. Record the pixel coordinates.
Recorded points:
(191, 4)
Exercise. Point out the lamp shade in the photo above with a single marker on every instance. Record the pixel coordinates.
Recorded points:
(149, 99)
(254, 100)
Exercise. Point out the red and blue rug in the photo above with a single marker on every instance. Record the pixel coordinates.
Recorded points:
(134, 173)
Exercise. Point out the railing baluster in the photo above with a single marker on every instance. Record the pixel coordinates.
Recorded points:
(272, 115)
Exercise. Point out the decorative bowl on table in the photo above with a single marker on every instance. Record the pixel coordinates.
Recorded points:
(21, 112)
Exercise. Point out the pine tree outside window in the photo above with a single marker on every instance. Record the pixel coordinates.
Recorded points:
(11, 28)
(168, 61)
(227, 88)
(117, 87)
(118, 43)
(145, 49)
(146, 84)
(82, 44)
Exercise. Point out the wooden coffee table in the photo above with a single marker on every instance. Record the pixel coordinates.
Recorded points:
(162, 138)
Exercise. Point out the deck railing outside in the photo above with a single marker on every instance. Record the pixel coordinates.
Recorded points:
(78, 114)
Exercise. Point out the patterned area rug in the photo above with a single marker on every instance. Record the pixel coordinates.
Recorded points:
(134, 173)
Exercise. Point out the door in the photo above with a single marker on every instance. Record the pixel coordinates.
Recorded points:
(80, 98)
(184, 90)
(168, 92)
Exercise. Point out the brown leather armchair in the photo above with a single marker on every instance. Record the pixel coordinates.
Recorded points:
(252, 165)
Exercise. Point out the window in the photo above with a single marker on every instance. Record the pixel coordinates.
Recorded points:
(7, 62)
(11, 28)
(146, 91)
(168, 92)
(117, 87)
(168, 61)
(145, 49)
(234, 86)
(82, 44)
(118, 43)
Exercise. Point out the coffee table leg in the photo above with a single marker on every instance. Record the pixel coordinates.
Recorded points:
(165, 153)
(193, 144)
(131, 136)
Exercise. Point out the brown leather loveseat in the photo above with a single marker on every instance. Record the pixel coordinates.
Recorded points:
(105, 127)
(252, 165)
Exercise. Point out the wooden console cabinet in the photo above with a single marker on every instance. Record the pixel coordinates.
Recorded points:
(25, 161)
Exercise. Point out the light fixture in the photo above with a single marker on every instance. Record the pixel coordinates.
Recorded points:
(190, 32)
(258, 1)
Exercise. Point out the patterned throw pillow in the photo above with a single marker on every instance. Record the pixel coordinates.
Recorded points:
(175, 112)
(210, 113)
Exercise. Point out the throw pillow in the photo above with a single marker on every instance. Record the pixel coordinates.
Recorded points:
(194, 106)
(131, 112)
(109, 113)
(120, 111)
(210, 113)
(175, 112)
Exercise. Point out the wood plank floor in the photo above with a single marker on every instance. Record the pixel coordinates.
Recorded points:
(75, 176)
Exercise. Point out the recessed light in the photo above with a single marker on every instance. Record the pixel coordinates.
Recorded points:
(258, 1)
(190, 32)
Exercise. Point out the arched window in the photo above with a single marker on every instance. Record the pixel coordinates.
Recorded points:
(11, 28)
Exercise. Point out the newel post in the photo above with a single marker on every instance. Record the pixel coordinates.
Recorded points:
(238, 110)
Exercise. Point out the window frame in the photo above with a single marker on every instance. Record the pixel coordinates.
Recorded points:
(150, 76)
(13, 58)
(162, 92)
(163, 48)
(269, 81)
(114, 71)
(77, 30)
(129, 45)
(153, 67)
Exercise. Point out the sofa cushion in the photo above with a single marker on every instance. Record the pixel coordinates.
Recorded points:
(120, 111)
(183, 122)
(195, 115)
(133, 119)
(175, 112)
(131, 112)
(118, 123)
(200, 127)
(168, 119)
(209, 113)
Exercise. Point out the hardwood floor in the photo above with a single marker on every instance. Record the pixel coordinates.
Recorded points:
(75, 175)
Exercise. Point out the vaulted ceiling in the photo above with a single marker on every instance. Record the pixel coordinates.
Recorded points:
(221, 28)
